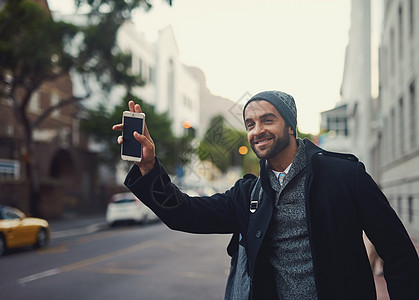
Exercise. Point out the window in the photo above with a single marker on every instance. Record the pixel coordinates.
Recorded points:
(411, 18)
(393, 133)
(410, 208)
(151, 74)
(140, 68)
(399, 206)
(392, 54)
(55, 99)
(35, 102)
(400, 31)
(401, 125)
(339, 124)
(10, 213)
(9, 169)
(131, 66)
(171, 84)
(412, 109)
(9, 129)
(386, 141)
(187, 102)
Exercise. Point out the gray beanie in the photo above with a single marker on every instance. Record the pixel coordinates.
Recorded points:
(283, 102)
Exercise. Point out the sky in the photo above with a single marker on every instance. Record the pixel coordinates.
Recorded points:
(246, 46)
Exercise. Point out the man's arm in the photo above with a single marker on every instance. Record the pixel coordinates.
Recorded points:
(179, 211)
(149, 181)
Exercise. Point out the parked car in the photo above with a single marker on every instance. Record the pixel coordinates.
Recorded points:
(125, 207)
(17, 230)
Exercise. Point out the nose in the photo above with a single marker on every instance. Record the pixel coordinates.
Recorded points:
(258, 129)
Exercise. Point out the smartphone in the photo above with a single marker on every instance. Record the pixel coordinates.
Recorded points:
(131, 148)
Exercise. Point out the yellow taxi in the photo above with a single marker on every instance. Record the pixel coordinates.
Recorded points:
(17, 230)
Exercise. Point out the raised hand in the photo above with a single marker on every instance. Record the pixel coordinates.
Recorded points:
(148, 148)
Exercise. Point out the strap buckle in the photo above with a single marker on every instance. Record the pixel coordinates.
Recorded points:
(254, 206)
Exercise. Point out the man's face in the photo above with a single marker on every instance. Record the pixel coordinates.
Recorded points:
(266, 130)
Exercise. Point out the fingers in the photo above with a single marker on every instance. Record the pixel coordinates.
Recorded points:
(148, 153)
(117, 127)
(137, 108)
(131, 105)
(134, 107)
(146, 131)
(144, 140)
(147, 143)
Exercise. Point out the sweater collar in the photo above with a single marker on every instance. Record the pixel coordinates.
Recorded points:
(298, 164)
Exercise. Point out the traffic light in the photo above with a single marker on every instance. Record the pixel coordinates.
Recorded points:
(190, 131)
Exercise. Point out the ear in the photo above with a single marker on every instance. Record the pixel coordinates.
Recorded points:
(290, 130)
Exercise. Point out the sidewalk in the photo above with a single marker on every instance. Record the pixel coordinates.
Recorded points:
(71, 225)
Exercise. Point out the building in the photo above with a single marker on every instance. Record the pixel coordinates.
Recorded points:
(168, 84)
(383, 132)
(66, 170)
(64, 165)
(212, 105)
(398, 125)
(348, 124)
(171, 86)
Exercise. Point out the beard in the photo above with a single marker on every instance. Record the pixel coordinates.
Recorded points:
(278, 145)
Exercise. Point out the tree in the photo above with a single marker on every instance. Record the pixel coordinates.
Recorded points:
(171, 151)
(221, 143)
(35, 50)
(303, 135)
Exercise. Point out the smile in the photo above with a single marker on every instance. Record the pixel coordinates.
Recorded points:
(261, 142)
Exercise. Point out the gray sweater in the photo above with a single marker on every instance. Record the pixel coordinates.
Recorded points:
(290, 252)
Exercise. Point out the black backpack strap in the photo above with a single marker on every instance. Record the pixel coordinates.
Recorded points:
(255, 198)
(233, 245)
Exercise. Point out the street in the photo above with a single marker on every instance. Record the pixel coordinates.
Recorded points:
(87, 259)
(125, 262)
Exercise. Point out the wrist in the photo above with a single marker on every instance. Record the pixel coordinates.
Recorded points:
(145, 167)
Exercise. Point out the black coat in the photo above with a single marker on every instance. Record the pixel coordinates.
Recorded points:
(342, 200)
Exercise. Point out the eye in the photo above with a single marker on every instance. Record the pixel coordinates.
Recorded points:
(249, 125)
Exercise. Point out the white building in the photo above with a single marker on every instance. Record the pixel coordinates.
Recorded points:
(384, 132)
(398, 129)
(350, 121)
(169, 85)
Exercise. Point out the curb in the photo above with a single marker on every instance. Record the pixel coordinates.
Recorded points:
(78, 231)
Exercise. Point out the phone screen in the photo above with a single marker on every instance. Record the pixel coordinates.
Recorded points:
(130, 146)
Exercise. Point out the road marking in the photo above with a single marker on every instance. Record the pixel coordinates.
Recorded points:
(86, 262)
(24, 280)
(52, 250)
(195, 275)
(78, 231)
(118, 271)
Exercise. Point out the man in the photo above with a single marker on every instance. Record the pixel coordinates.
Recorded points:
(303, 235)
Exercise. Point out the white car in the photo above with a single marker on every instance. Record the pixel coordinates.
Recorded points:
(125, 207)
